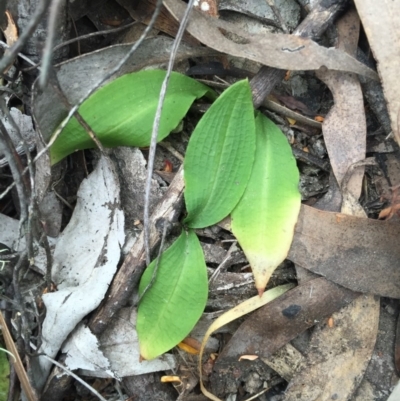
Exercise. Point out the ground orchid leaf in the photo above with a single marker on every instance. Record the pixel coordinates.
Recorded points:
(122, 112)
(219, 157)
(174, 301)
(264, 219)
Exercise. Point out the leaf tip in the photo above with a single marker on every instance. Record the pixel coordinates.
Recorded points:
(260, 291)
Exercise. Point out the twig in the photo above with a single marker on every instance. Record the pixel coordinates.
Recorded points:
(79, 38)
(9, 56)
(156, 125)
(17, 363)
(76, 377)
(224, 263)
(16, 167)
(158, 260)
(48, 48)
(21, 55)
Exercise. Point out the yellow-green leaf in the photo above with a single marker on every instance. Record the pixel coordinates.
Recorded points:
(264, 219)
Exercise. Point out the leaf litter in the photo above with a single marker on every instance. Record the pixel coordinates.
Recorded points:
(355, 252)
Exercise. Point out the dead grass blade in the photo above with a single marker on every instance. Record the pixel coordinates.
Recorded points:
(16, 361)
(286, 317)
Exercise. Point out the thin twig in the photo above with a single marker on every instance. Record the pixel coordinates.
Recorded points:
(79, 38)
(17, 363)
(76, 377)
(48, 48)
(158, 260)
(224, 263)
(16, 167)
(156, 125)
(21, 55)
(10, 55)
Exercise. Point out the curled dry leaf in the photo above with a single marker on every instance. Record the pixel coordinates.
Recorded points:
(281, 51)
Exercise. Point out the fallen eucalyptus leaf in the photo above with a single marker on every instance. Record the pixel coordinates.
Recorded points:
(358, 253)
(380, 20)
(85, 260)
(112, 354)
(219, 157)
(288, 52)
(174, 300)
(264, 219)
(338, 355)
(83, 352)
(287, 317)
(122, 112)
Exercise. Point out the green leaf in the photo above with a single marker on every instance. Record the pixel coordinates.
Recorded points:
(219, 157)
(122, 112)
(264, 219)
(4, 375)
(174, 302)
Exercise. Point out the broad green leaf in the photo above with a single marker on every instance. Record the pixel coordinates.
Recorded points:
(219, 157)
(264, 219)
(174, 302)
(122, 112)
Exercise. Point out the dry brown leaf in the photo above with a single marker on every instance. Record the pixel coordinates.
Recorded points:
(275, 50)
(144, 9)
(381, 24)
(283, 319)
(358, 253)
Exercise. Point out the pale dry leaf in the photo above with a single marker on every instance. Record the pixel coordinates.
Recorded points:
(274, 50)
(83, 352)
(381, 24)
(119, 344)
(338, 355)
(85, 260)
(25, 127)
